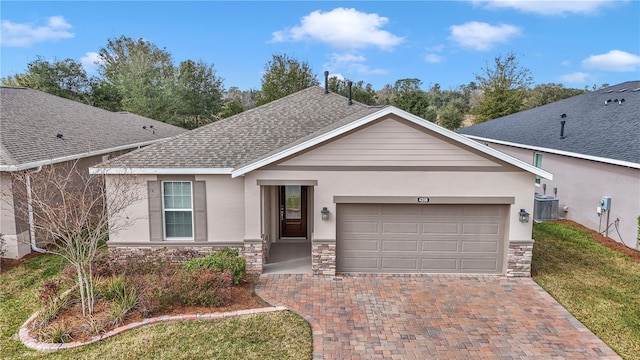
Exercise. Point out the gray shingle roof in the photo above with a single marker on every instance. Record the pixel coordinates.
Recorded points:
(610, 130)
(30, 121)
(250, 135)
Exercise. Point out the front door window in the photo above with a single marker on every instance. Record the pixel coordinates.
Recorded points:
(293, 212)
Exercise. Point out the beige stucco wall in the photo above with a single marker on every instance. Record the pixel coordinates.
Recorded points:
(16, 245)
(582, 183)
(225, 210)
(138, 213)
(398, 183)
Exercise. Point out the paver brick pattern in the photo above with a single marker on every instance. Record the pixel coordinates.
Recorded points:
(432, 317)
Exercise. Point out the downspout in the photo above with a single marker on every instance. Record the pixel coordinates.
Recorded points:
(32, 230)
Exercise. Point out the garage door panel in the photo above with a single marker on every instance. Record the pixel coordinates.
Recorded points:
(439, 246)
(394, 210)
(399, 245)
(400, 228)
(440, 228)
(441, 210)
(360, 227)
(477, 265)
(479, 247)
(475, 210)
(396, 238)
(360, 264)
(360, 245)
(439, 265)
(400, 264)
(480, 229)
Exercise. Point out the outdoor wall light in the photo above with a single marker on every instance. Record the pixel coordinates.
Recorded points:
(325, 213)
(524, 216)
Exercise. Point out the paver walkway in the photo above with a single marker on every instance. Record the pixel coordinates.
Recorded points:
(432, 317)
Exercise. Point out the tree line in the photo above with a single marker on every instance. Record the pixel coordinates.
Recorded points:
(137, 76)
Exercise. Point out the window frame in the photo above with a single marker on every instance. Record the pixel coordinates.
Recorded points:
(537, 162)
(164, 210)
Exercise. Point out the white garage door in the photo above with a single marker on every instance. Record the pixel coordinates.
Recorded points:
(398, 238)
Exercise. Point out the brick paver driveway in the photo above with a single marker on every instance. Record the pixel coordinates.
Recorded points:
(432, 317)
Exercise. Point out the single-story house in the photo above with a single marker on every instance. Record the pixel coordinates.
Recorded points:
(591, 143)
(371, 189)
(39, 129)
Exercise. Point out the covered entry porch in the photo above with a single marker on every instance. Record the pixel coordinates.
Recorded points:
(287, 223)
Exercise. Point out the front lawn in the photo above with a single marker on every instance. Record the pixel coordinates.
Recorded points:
(277, 335)
(599, 286)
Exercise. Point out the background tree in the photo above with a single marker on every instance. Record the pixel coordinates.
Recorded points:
(142, 75)
(199, 94)
(543, 94)
(359, 91)
(283, 76)
(408, 96)
(451, 115)
(65, 78)
(504, 88)
(71, 207)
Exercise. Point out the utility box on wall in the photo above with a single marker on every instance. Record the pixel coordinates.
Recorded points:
(605, 203)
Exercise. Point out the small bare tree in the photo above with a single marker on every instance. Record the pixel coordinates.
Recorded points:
(75, 211)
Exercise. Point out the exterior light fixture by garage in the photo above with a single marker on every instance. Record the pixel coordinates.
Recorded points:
(524, 216)
(325, 213)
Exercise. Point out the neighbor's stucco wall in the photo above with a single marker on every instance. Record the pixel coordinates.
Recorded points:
(582, 183)
(225, 210)
(17, 244)
(396, 183)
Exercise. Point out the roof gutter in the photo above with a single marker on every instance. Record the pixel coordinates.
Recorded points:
(160, 171)
(559, 152)
(36, 164)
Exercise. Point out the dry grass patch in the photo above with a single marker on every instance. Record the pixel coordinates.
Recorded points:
(599, 286)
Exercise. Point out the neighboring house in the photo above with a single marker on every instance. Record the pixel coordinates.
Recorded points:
(371, 189)
(595, 154)
(38, 129)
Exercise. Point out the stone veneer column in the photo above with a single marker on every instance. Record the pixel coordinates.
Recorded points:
(253, 252)
(519, 258)
(323, 257)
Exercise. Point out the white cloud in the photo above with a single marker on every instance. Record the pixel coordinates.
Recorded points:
(548, 7)
(433, 58)
(482, 36)
(27, 34)
(351, 63)
(566, 63)
(614, 60)
(341, 28)
(575, 77)
(90, 61)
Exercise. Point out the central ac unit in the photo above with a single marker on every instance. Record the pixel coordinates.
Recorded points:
(545, 207)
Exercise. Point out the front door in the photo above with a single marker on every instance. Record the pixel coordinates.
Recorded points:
(293, 211)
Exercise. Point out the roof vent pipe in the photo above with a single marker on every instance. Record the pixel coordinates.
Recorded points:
(562, 129)
(350, 83)
(326, 82)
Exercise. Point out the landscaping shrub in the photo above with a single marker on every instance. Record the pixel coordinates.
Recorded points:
(201, 287)
(56, 333)
(224, 260)
(112, 287)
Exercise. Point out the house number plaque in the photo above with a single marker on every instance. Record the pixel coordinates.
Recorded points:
(423, 199)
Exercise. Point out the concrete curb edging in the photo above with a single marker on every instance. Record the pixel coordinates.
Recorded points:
(34, 344)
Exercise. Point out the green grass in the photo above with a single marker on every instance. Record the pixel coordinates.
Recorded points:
(277, 335)
(599, 286)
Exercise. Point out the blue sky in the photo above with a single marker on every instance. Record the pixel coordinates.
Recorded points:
(576, 43)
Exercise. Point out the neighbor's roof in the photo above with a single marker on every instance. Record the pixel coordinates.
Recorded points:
(30, 121)
(603, 125)
(263, 135)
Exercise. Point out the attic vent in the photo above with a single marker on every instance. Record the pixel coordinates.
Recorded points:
(638, 89)
(622, 90)
(620, 101)
(609, 91)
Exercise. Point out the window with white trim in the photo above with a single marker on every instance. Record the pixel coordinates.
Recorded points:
(537, 162)
(177, 210)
